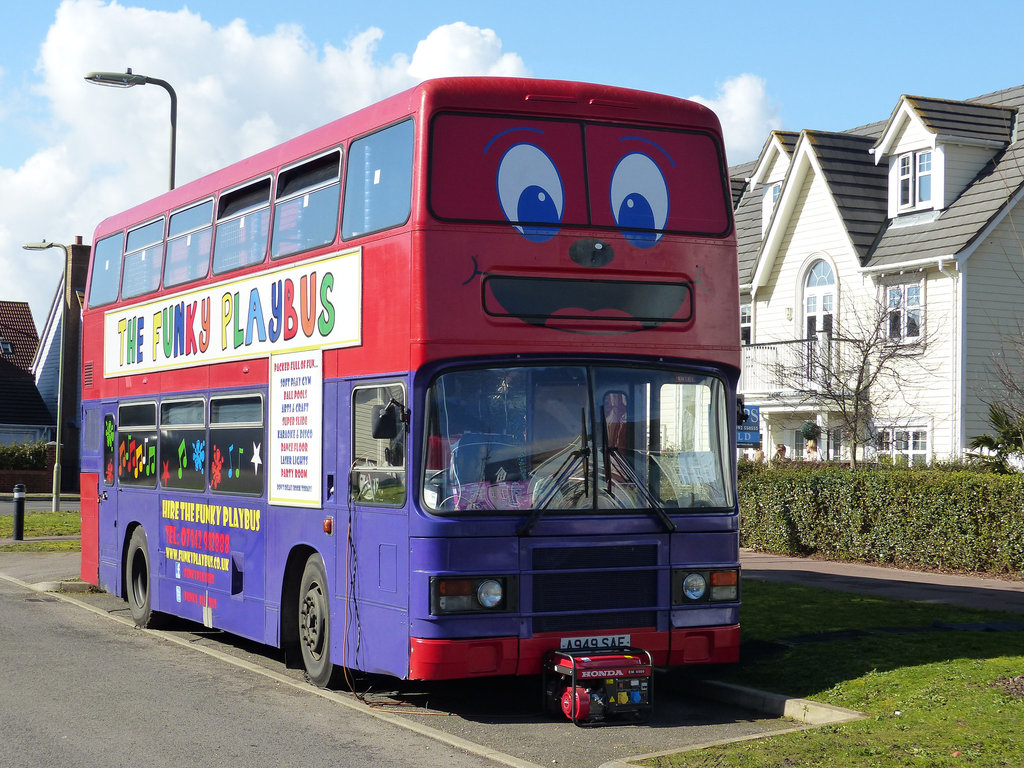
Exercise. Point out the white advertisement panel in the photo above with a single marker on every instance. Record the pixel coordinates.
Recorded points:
(306, 304)
(296, 428)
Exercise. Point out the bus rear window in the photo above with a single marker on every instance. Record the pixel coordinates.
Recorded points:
(542, 175)
(306, 210)
(378, 183)
(189, 237)
(143, 260)
(183, 444)
(237, 443)
(136, 445)
(243, 225)
(106, 270)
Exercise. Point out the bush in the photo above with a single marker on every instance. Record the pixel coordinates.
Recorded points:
(23, 456)
(960, 519)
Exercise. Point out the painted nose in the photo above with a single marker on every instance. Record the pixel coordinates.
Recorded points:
(590, 252)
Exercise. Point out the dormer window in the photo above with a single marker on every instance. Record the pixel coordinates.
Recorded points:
(915, 178)
(6, 348)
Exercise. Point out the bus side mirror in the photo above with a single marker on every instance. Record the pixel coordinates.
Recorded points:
(384, 422)
(741, 410)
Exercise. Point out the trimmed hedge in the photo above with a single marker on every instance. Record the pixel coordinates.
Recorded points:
(23, 456)
(913, 518)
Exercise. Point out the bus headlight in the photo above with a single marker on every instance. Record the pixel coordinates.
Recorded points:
(475, 594)
(718, 586)
(694, 586)
(489, 593)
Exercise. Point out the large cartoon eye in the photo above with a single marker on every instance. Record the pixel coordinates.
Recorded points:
(639, 199)
(530, 190)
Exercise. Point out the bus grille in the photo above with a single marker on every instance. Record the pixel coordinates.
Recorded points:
(609, 595)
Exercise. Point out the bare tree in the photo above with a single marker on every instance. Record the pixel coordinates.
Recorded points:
(868, 356)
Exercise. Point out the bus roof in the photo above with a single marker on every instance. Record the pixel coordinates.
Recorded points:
(498, 94)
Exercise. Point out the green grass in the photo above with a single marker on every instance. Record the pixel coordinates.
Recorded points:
(933, 698)
(39, 524)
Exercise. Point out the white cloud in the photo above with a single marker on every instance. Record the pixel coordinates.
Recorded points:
(747, 115)
(105, 149)
(459, 49)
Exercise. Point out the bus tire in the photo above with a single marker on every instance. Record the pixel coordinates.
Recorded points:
(314, 636)
(137, 579)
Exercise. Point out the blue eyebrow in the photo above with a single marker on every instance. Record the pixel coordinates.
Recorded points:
(509, 130)
(653, 144)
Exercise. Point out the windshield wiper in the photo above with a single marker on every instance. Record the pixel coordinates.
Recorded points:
(562, 476)
(613, 455)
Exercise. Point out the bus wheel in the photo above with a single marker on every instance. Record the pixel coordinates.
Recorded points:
(137, 579)
(315, 624)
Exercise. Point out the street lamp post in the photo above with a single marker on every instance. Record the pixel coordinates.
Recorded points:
(44, 245)
(129, 79)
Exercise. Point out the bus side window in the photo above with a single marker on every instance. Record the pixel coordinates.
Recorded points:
(189, 237)
(306, 208)
(237, 444)
(243, 225)
(143, 260)
(136, 445)
(378, 464)
(183, 444)
(106, 270)
(378, 181)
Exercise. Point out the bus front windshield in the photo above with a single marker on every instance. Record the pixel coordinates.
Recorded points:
(535, 438)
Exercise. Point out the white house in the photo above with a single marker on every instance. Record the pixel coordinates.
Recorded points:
(909, 227)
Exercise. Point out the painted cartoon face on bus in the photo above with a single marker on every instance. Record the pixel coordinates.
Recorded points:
(603, 197)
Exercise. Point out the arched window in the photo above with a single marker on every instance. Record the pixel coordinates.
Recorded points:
(819, 298)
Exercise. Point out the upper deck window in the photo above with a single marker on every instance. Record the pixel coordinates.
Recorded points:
(378, 183)
(542, 175)
(189, 237)
(306, 210)
(106, 270)
(243, 224)
(143, 260)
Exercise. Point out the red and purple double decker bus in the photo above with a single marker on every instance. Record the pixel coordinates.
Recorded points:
(431, 390)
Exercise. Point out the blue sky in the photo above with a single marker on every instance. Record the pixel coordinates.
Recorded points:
(249, 74)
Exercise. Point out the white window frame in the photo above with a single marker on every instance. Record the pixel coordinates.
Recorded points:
(746, 323)
(904, 301)
(923, 173)
(772, 193)
(911, 169)
(911, 443)
(819, 300)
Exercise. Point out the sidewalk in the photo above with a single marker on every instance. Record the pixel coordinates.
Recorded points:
(45, 571)
(966, 591)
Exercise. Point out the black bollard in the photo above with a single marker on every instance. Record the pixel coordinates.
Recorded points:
(19, 512)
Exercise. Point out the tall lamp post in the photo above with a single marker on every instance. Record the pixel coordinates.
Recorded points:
(129, 79)
(43, 246)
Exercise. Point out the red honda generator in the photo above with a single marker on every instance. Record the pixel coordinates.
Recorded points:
(592, 687)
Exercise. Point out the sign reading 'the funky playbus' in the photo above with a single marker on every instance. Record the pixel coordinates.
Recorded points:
(311, 303)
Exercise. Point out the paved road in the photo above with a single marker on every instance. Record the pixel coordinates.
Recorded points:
(498, 717)
(82, 690)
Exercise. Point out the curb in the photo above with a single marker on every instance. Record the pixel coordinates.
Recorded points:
(775, 704)
(61, 586)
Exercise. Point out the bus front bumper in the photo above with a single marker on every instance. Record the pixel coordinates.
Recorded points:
(432, 659)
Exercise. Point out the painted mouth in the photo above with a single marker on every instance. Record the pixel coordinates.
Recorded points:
(572, 305)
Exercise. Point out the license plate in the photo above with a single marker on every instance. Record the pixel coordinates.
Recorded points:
(596, 643)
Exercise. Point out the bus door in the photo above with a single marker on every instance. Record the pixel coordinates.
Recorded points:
(374, 564)
(109, 538)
